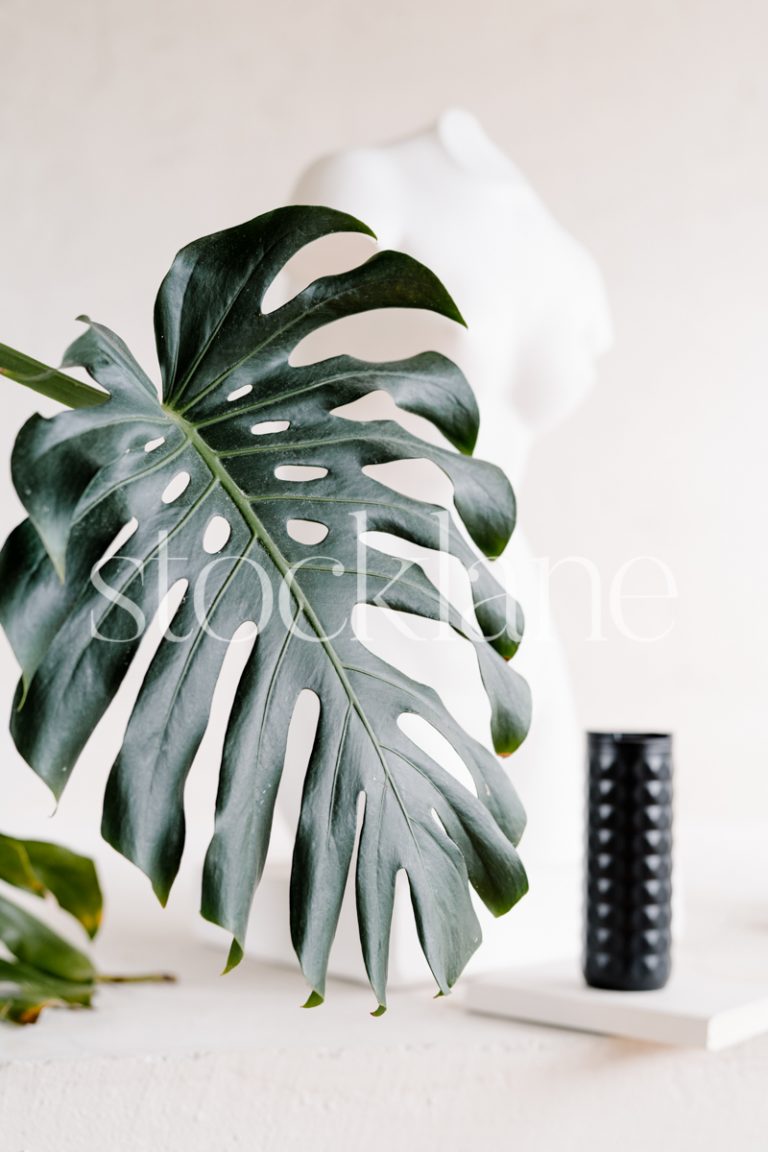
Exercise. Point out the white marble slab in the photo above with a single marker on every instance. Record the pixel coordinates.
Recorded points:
(697, 1008)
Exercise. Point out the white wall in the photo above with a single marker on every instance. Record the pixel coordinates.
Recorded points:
(128, 129)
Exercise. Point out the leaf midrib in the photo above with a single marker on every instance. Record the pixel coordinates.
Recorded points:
(245, 508)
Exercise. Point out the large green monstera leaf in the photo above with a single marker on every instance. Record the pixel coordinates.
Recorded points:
(153, 476)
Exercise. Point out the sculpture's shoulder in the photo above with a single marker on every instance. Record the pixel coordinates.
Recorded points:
(363, 181)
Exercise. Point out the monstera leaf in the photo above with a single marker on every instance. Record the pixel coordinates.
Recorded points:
(124, 485)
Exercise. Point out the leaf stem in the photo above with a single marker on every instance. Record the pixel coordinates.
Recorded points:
(48, 381)
(141, 978)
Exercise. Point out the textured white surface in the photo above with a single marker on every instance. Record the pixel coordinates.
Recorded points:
(230, 1064)
(238, 1065)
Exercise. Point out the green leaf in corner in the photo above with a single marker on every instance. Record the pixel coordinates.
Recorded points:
(35, 944)
(16, 867)
(48, 869)
(44, 969)
(29, 990)
(39, 968)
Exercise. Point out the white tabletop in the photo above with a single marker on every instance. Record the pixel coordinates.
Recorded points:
(234, 1063)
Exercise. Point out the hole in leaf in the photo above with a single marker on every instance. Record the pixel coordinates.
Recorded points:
(432, 653)
(217, 532)
(152, 444)
(327, 256)
(106, 738)
(403, 916)
(419, 479)
(121, 538)
(446, 572)
(240, 392)
(245, 636)
(382, 334)
(167, 609)
(297, 472)
(179, 484)
(424, 736)
(267, 427)
(202, 783)
(380, 405)
(306, 531)
(437, 820)
(377, 405)
(302, 730)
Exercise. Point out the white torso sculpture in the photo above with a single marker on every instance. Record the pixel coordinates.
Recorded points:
(533, 298)
(537, 320)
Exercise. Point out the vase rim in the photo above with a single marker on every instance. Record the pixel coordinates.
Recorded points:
(615, 737)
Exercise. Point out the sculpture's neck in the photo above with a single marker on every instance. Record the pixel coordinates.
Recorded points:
(464, 141)
(456, 155)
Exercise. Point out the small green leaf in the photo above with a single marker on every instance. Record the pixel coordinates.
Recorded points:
(33, 993)
(36, 945)
(22, 1009)
(39, 984)
(45, 970)
(43, 868)
(16, 868)
(71, 879)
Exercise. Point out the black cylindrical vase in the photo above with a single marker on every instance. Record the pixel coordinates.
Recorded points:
(629, 861)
